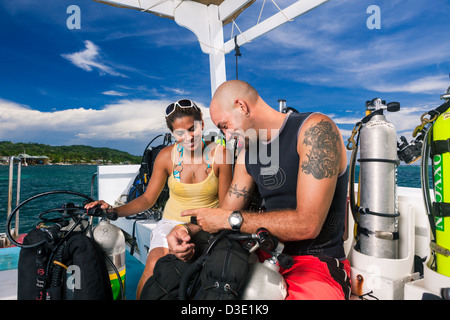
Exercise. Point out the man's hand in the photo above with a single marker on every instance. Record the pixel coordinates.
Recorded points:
(211, 220)
(178, 241)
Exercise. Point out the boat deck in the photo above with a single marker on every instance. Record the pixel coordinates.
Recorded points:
(9, 258)
(8, 278)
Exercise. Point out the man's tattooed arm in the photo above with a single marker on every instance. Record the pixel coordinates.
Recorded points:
(233, 190)
(324, 157)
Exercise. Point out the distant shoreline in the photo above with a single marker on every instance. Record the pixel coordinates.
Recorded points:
(43, 154)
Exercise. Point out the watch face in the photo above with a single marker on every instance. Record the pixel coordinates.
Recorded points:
(235, 220)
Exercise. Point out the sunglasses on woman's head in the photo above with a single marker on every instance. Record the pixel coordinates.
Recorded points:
(183, 103)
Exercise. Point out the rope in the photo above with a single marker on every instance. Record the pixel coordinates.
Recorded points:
(236, 54)
(282, 12)
(260, 13)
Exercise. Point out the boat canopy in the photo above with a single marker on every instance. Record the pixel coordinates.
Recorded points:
(163, 8)
(206, 19)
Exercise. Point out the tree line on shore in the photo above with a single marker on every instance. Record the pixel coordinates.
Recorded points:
(75, 154)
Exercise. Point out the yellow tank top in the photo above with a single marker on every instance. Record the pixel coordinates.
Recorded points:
(183, 196)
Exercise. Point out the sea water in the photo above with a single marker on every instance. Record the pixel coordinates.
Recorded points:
(44, 178)
(79, 178)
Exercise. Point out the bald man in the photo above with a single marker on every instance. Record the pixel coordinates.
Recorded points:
(304, 190)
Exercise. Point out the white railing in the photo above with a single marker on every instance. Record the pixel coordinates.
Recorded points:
(12, 160)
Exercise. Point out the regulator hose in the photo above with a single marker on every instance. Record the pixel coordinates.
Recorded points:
(188, 274)
(13, 213)
(54, 291)
(425, 181)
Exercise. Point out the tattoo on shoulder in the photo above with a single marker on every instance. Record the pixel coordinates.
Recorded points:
(233, 190)
(323, 159)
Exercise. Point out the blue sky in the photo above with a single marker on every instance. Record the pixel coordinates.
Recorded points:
(107, 83)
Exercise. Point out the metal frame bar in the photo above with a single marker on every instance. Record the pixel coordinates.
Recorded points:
(269, 24)
(13, 159)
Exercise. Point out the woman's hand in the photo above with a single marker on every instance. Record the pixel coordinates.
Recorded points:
(102, 204)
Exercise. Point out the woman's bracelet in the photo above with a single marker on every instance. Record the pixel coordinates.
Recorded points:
(187, 229)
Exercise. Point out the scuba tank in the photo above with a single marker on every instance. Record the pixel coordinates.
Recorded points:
(440, 153)
(436, 132)
(377, 215)
(264, 282)
(112, 241)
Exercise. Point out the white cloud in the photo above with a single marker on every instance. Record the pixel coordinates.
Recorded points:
(89, 59)
(126, 123)
(176, 90)
(431, 84)
(114, 93)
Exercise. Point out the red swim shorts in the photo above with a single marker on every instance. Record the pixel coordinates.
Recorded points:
(317, 278)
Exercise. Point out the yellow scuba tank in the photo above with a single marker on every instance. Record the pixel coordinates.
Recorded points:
(434, 130)
(440, 150)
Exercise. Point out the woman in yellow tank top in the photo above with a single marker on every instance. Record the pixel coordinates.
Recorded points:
(197, 174)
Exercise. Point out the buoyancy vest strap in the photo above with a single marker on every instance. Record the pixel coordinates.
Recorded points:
(380, 214)
(40, 269)
(439, 147)
(394, 161)
(386, 235)
(442, 108)
(378, 234)
(441, 209)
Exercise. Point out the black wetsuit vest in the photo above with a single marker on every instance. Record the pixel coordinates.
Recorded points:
(277, 185)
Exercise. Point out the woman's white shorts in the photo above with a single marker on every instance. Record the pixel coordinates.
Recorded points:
(158, 238)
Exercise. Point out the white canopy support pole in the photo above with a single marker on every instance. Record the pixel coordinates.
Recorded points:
(204, 22)
(278, 19)
(217, 55)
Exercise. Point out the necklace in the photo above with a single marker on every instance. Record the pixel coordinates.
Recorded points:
(193, 172)
(179, 167)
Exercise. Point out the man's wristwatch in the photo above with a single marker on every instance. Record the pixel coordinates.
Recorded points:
(235, 219)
